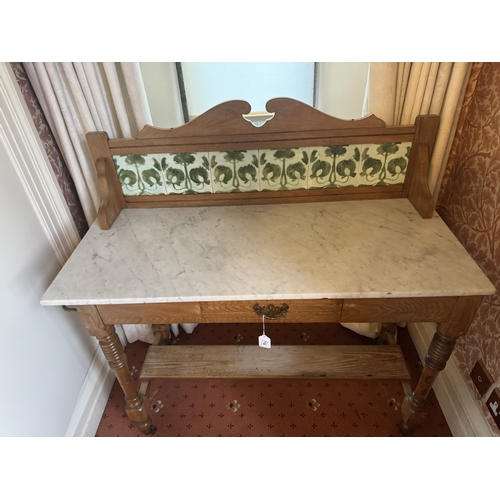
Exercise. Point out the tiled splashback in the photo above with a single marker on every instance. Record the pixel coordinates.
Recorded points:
(263, 170)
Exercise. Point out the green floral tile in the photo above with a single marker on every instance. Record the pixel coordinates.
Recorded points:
(283, 169)
(235, 171)
(383, 164)
(186, 173)
(396, 168)
(139, 174)
(333, 167)
(264, 170)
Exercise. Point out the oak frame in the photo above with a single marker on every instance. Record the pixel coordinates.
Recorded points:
(294, 124)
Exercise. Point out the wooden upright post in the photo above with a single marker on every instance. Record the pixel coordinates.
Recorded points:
(112, 201)
(416, 186)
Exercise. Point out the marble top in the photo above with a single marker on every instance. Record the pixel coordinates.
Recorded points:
(351, 249)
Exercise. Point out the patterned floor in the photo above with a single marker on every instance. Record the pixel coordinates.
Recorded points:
(273, 407)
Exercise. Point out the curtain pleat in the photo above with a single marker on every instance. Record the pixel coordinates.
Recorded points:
(430, 89)
(82, 83)
(99, 97)
(414, 93)
(137, 94)
(76, 87)
(441, 87)
(116, 93)
(450, 113)
(76, 145)
(402, 71)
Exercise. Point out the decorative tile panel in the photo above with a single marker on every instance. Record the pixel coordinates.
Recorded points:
(235, 171)
(318, 167)
(186, 173)
(333, 167)
(140, 174)
(383, 164)
(283, 169)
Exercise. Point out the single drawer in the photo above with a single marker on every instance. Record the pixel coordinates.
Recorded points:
(299, 311)
(172, 312)
(395, 310)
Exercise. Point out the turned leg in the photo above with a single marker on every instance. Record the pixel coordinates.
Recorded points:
(413, 407)
(440, 350)
(136, 405)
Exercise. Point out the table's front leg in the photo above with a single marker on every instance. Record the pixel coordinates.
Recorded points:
(440, 350)
(136, 405)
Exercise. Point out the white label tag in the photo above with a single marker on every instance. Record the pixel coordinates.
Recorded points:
(265, 341)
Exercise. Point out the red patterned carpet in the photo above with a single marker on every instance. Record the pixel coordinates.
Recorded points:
(273, 407)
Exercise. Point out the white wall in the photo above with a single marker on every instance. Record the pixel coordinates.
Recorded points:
(45, 353)
(160, 81)
(341, 88)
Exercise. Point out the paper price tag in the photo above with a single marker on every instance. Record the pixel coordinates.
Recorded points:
(265, 341)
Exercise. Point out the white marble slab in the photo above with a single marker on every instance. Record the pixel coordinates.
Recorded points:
(379, 248)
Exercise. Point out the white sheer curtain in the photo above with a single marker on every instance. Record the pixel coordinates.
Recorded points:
(399, 92)
(78, 98)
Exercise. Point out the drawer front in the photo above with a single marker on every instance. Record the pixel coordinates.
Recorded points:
(299, 311)
(178, 312)
(394, 310)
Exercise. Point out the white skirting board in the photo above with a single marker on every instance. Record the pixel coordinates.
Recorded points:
(94, 395)
(460, 408)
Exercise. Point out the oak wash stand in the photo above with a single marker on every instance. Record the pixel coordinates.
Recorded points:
(306, 218)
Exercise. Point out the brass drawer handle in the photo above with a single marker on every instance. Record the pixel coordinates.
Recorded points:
(271, 311)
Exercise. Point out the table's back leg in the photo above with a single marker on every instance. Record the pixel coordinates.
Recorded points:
(388, 334)
(440, 350)
(136, 405)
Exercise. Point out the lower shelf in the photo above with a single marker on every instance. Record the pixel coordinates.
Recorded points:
(337, 362)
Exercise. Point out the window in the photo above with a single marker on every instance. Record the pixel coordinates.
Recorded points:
(204, 85)
(337, 89)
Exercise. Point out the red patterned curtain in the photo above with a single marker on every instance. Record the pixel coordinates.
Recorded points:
(51, 148)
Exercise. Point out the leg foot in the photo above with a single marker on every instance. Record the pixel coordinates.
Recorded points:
(406, 430)
(413, 407)
(413, 412)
